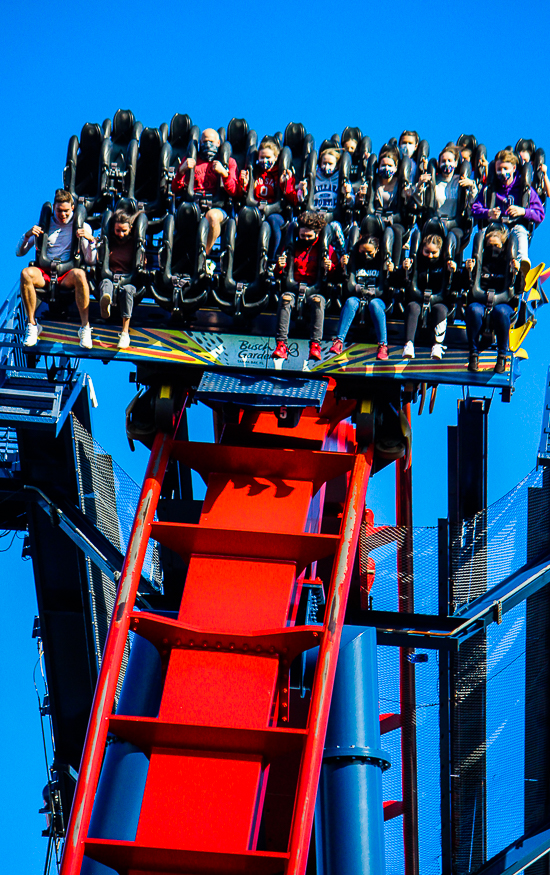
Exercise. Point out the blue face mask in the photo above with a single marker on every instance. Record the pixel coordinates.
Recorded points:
(266, 163)
(446, 168)
(505, 176)
(208, 150)
(386, 171)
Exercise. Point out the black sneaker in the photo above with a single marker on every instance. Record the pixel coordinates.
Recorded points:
(473, 363)
(500, 367)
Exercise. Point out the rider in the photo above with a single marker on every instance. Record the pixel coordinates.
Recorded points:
(121, 261)
(59, 247)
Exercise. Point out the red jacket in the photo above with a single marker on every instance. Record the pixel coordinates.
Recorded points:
(206, 180)
(266, 185)
(306, 261)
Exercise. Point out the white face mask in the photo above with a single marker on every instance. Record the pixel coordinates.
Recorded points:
(407, 149)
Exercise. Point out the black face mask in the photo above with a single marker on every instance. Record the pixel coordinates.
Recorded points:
(493, 251)
(266, 164)
(208, 150)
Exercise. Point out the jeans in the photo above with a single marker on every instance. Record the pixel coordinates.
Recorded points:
(377, 313)
(499, 321)
(316, 306)
(275, 222)
(437, 320)
(124, 296)
(522, 236)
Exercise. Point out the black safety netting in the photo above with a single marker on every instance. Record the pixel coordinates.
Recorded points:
(499, 681)
(109, 498)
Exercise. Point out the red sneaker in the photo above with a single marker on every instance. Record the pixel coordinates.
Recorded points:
(280, 351)
(382, 353)
(315, 351)
(337, 347)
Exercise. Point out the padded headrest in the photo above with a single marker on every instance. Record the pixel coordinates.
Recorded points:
(352, 134)
(91, 136)
(524, 145)
(150, 142)
(237, 132)
(467, 141)
(294, 136)
(123, 122)
(179, 129)
(249, 222)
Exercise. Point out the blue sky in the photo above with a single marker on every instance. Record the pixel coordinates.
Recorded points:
(434, 67)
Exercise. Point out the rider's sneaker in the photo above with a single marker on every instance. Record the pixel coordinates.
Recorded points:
(473, 363)
(408, 350)
(437, 351)
(337, 347)
(280, 351)
(105, 306)
(382, 353)
(32, 334)
(210, 267)
(315, 351)
(85, 336)
(123, 341)
(500, 367)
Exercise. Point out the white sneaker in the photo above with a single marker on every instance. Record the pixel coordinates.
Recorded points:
(437, 351)
(123, 341)
(32, 334)
(85, 335)
(105, 306)
(210, 267)
(408, 350)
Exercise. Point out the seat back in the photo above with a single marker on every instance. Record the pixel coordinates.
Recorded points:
(300, 144)
(242, 141)
(74, 260)
(147, 168)
(137, 273)
(182, 132)
(487, 287)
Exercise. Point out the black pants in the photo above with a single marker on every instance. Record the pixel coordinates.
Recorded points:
(316, 306)
(437, 314)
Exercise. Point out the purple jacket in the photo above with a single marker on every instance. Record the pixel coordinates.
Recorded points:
(533, 213)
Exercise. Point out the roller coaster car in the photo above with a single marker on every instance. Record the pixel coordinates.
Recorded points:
(463, 218)
(152, 182)
(119, 157)
(364, 283)
(491, 289)
(322, 286)
(441, 289)
(299, 154)
(82, 167)
(181, 133)
(242, 141)
(181, 283)
(58, 298)
(244, 287)
(137, 276)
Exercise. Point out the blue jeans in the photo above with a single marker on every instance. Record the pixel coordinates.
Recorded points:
(499, 320)
(275, 222)
(377, 313)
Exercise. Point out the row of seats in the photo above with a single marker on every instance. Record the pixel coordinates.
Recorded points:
(123, 159)
(245, 284)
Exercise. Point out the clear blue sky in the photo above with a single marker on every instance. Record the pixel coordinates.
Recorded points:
(433, 67)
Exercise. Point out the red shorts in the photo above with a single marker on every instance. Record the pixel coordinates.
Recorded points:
(47, 277)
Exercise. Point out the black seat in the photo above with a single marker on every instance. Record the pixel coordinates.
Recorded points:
(242, 141)
(493, 290)
(428, 211)
(138, 275)
(442, 291)
(119, 158)
(181, 283)
(244, 288)
(364, 283)
(54, 293)
(82, 167)
(152, 173)
(322, 285)
(182, 131)
(299, 154)
(537, 158)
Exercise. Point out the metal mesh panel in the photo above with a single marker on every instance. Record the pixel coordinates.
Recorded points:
(109, 498)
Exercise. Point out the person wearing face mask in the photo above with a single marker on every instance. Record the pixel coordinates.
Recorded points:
(432, 272)
(494, 275)
(367, 282)
(307, 270)
(208, 173)
(503, 201)
(269, 186)
(387, 198)
(444, 191)
(327, 194)
(407, 145)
